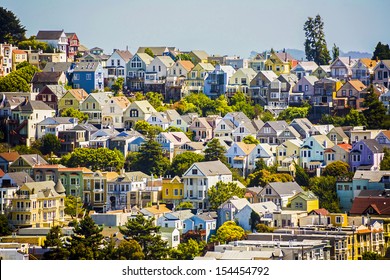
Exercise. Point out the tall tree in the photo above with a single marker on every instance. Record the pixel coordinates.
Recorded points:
(182, 162)
(301, 177)
(335, 52)
(18, 80)
(315, 44)
(324, 188)
(54, 242)
(147, 235)
(11, 31)
(381, 51)
(73, 206)
(50, 144)
(221, 192)
(293, 113)
(117, 86)
(156, 100)
(5, 228)
(376, 112)
(215, 151)
(385, 163)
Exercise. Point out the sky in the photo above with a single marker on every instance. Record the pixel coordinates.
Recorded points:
(223, 27)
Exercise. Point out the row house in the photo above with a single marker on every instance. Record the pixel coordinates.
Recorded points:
(303, 90)
(217, 81)
(72, 49)
(322, 100)
(382, 73)
(26, 163)
(280, 63)
(95, 55)
(201, 129)
(136, 68)
(6, 56)
(176, 77)
(237, 62)
(170, 142)
(137, 111)
(93, 106)
(156, 74)
(304, 127)
(322, 71)
(304, 68)
(172, 52)
(172, 190)
(6, 158)
(312, 152)
(198, 56)
(42, 79)
(71, 99)
(257, 63)
(116, 65)
(279, 193)
(18, 56)
(77, 137)
(54, 38)
(54, 125)
(351, 95)
(339, 152)
(63, 67)
(113, 112)
(270, 132)
(359, 133)
(240, 81)
(366, 155)
(363, 70)
(88, 76)
(341, 68)
(127, 141)
(260, 85)
(196, 77)
(287, 155)
(279, 92)
(51, 94)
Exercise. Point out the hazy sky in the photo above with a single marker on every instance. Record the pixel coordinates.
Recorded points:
(232, 27)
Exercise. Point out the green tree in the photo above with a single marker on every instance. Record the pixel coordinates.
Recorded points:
(54, 242)
(188, 250)
(73, 206)
(371, 256)
(293, 113)
(335, 52)
(221, 192)
(22, 64)
(5, 228)
(354, 118)
(215, 151)
(24, 150)
(73, 113)
(240, 102)
(264, 228)
(182, 162)
(315, 44)
(117, 86)
(229, 231)
(156, 100)
(18, 80)
(254, 220)
(221, 106)
(301, 177)
(86, 241)
(183, 56)
(185, 107)
(336, 169)
(263, 177)
(184, 205)
(385, 163)
(143, 231)
(142, 127)
(267, 116)
(324, 188)
(381, 52)
(11, 31)
(149, 52)
(250, 140)
(376, 112)
(50, 144)
(33, 44)
(202, 104)
(128, 250)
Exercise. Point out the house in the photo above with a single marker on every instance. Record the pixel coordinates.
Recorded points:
(279, 92)
(224, 127)
(151, 195)
(240, 81)
(25, 118)
(243, 130)
(160, 51)
(287, 218)
(359, 133)
(26, 163)
(125, 142)
(113, 111)
(77, 137)
(71, 99)
(156, 74)
(194, 147)
(312, 152)
(171, 141)
(50, 95)
(155, 211)
(204, 224)
(159, 119)
(305, 86)
(339, 152)
(383, 137)
(217, 81)
(42, 79)
(196, 77)
(88, 76)
(71, 178)
(198, 56)
(237, 62)
(201, 129)
(173, 190)
(95, 55)
(321, 102)
(54, 125)
(200, 177)
(137, 111)
(382, 73)
(280, 63)
(257, 63)
(306, 201)
(175, 219)
(6, 58)
(279, 193)
(228, 209)
(263, 209)
(287, 155)
(242, 157)
(102, 138)
(18, 56)
(93, 106)
(270, 132)
(54, 38)
(322, 71)
(338, 136)
(385, 98)
(72, 49)
(171, 236)
(64, 67)
(304, 127)
(176, 120)
(350, 95)
(304, 68)
(135, 69)
(363, 70)
(38, 204)
(176, 77)
(366, 155)
(372, 203)
(260, 85)
(341, 68)
(6, 158)
(116, 65)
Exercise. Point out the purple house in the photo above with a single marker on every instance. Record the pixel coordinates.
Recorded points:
(366, 154)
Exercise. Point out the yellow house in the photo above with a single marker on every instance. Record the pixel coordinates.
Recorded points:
(338, 219)
(38, 204)
(72, 99)
(280, 63)
(240, 81)
(286, 154)
(306, 201)
(18, 56)
(198, 57)
(172, 190)
(196, 77)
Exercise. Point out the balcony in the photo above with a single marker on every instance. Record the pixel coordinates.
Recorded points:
(20, 209)
(19, 222)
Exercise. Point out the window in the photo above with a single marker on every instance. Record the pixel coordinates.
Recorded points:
(195, 171)
(268, 191)
(178, 122)
(306, 87)
(267, 130)
(175, 192)
(339, 219)
(176, 238)
(118, 62)
(241, 130)
(88, 77)
(76, 77)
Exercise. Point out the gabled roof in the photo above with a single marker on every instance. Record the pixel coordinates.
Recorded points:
(263, 207)
(238, 203)
(286, 188)
(202, 55)
(306, 195)
(284, 56)
(381, 205)
(385, 62)
(166, 60)
(57, 120)
(372, 144)
(237, 117)
(206, 66)
(57, 67)
(57, 90)
(246, 148)
(277, 125)
(322, 139)
(9, 156)
(356, 84)
(310, 79)
(156, 209)
(33, 159)
(1, 173)
(347, 61)
(172, 114)
(157, 51)
(43, 189)
(122, 101)
(100, 97)
(46, 77)
(147, 59)
(206, 217)
(345, 146)
(29, 106)
(212, 168)
(145, 106)
(49, 34)
(86, 67)
(187, 64)
(269, 75)
(339, 131)
(203, 121)
(125, 55)
(372, 176)
(306, 65)
(20, 177)
(19, 51)
(368, 62)
(177, 138)
(79, 94)
(321, 211)
(257, 124)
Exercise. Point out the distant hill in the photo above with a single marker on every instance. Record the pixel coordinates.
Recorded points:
(355, 54)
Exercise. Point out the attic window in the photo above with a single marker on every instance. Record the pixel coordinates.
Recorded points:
(195, 171)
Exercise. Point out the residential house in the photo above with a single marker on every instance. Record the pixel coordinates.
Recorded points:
(116, 65)
(194, 147)
(237, 62)
(204, 224)
(172, 190)
(54, 38)
(155, 211)
(95, 55)
(280, 63)
(306, 201)
(102, 138)
(287, 155)
(312, 152)
(217, 81)
(339, 152)
(137, 111)
(243, 130)
(305, 86)
(382, 73)
(287, 218)
(72, 49)
(77, 137)
(240, 81)
(322, 100)
(366, 155)
(198, 56)
(54, 125)
(64, 67)
(196, 77)
(201, 129)
(341, 68)
(113, 111)
(175, 219)
(6, 158)
(227, 210)
(71, 99)
(160, 51)
(279, 193)
(88, 76)
(25, 118)
(260, 85)
(323, 71)
(18, 56)
(279, 92)
(50, 95)
(176, 120)
(42, 79)
(288, 133)
(171, 236)
(263, 209)
(156, 74)
(176, 77)
(72, 179)
(363, 70)
(270, 132)
(242, 157)
(151, 195)
(171, 141)
(383, 137)
(304, 68)
(93, 106)
(257, 63)
(159, 119)
(6, 59)
(351, 95)
(200, 177)
(359, 133)
(224, 127)
(26, 163)
(304, 127)
(136, 68)
(374, 204)
(127, 141)
(385, 99)
(338, 136)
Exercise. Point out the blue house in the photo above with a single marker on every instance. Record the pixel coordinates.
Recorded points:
(88, 76)
(205, 224)
(217, 81)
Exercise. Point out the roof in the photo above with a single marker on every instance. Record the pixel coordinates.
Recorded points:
(180, 214)
(284, 56)
(43, 189)
(238, 203)
(57, 90)
(145, 106)
(79, 94)
(356, 84)
(207, 66)
(122, 101)
(57, 66)
(277, 125)
(57, 120)
(307, 65)
(339, 131)
(49, 34)
(381, 205)
(286, 187)
(156, 209)
(372, 176)
(306, 195)
(246, 148)
(206, 216)
(372, 144)
(345, 146)
(157, 51)
(347, 61)
(46, 77)
(187, 64)
(59, 187)
(100, 97)
(31, 105)
(202, 55)
(311, 79)
(19, 52)
(368, 62)
(1, 173)
(203, 121)
(177, 138)
(9, 156)
(263, 207)
(86, 67)
(125, 55)
(210, 168)
(172, 114)
(33, 159)
(20, 177)
(321, 211)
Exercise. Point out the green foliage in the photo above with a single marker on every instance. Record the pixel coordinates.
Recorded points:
(184, 205)
(22, 64)
(156, 100)
(18, 80)
(183, 56)
(229, 231)
(148, 51)
(188, 250)
(381, 51)
(267, 116)
(301, 177)
(315, 44)
(86, 241)
(336, 169)
(54, 241)
(34, 45)
(264, 228)
(73, 113)
(182, 162)
(324, 188)
(263, 177)
(50, 144)
(4, 226)
(73, 206)
(293, 113)
(385, 163)
(376, 112)
(215, 151)
(24, 150)
(142, 127)
(371, 256)
(117, 86)
(240, 102)
(144, 232)
(126, 250)
(97, 159)
(353, 118)
(254, 220)
(335, 52)
(221, 192)
(11, 31)
(250, 140)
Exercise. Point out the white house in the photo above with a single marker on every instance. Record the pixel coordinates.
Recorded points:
(53, 125)
(113, 111)
(263, 209)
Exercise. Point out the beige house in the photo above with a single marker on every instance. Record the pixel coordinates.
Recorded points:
(112, 113)
(201, 129)
(93, 106)
(18, 56)
(72, 99)
(337, 135)
(360, 133)
(339, 152)
(241, 80)
(137, 111)
(196, 77)
(287, 155)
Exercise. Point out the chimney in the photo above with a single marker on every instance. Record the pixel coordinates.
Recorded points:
(52, 69)
(349, 60)
(25, 179)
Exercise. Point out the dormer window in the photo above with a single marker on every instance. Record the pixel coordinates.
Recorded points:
(194, 171)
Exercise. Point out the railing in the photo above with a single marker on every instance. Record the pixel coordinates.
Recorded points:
(20, 222)
(20, 209)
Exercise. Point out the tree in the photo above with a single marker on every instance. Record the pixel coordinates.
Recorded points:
(11, 31)
(50, 144)
(188, 250)
(5, 229)
(34, 45)
(22, 64)
(315, 44)
(86, 241)
(263, 177)
(371, 256)
(143, 231)
(54, 242)
(376, 112)
(250, 140)
(183, 56)
(127, 250)
(142, 127)
(156, 100)
(229, 231)
(221, 106)
(149, 52)
(185, 205)
(324, 188)
(117, 86)
(335, 52)
(254, 220)
(240, 102)
(354, 118)
(293, 113)
(301, 177)
(73, 206)
(24, 150)
(182, 162)
(18, 80)
(267, 116)
(385, 163)
(336, 169)
(215, 151)
(74, 113)
(381, 52)
(264, 228)
(221, 192)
